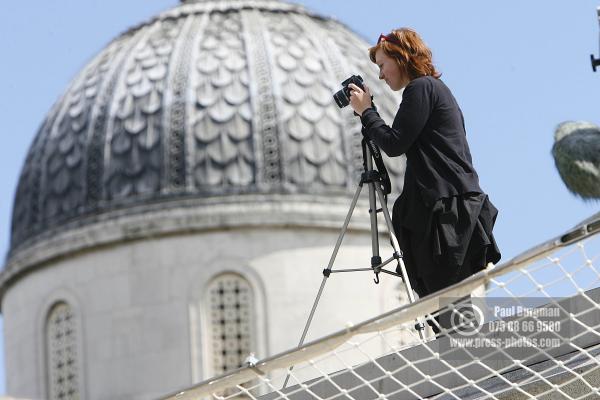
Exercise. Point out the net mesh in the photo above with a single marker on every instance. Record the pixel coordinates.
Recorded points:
(526, 329)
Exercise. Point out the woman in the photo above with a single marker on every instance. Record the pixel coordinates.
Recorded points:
(443, 219)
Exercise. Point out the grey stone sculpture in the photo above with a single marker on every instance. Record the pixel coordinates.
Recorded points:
(576, 152)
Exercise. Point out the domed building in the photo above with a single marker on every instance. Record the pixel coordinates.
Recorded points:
(180, 200)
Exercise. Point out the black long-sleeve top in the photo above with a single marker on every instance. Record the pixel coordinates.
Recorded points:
(429, 129)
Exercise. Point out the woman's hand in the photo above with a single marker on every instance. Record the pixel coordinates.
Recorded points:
(360, 100)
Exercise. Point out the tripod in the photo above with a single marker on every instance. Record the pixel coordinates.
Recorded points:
(375, 180)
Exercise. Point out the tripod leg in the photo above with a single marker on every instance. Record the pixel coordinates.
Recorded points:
(396, 246)
(375, 259)
(344, 227)
(326, 275)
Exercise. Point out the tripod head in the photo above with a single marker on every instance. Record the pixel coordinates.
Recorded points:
(380, 175)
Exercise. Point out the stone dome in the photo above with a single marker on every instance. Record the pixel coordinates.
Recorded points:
(210, 99)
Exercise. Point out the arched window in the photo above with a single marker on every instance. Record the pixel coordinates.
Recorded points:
(232, 327)
(61, 353)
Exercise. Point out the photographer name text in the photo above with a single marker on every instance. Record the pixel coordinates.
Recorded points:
(522, 311)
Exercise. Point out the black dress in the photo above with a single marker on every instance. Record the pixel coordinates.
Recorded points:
(443, 219)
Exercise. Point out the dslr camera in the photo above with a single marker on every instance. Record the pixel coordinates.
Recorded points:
(342, 97)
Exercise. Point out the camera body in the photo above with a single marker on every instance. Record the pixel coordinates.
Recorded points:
(342, 97)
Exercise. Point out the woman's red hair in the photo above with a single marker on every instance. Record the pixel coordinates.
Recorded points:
(409, 50)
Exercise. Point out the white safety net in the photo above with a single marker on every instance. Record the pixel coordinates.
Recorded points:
(529, 328)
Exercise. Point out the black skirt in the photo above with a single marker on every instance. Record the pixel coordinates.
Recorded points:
(446, 242)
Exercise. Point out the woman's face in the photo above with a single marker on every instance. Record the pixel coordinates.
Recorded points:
(390, 71)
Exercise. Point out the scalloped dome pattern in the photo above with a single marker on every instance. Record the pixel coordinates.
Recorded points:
(210, 98)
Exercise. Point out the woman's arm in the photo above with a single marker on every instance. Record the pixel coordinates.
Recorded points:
(413, 114)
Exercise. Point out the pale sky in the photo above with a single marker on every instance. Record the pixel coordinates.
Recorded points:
(517, 69)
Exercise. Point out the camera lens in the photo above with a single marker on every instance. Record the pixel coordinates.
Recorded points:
(341, 99)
